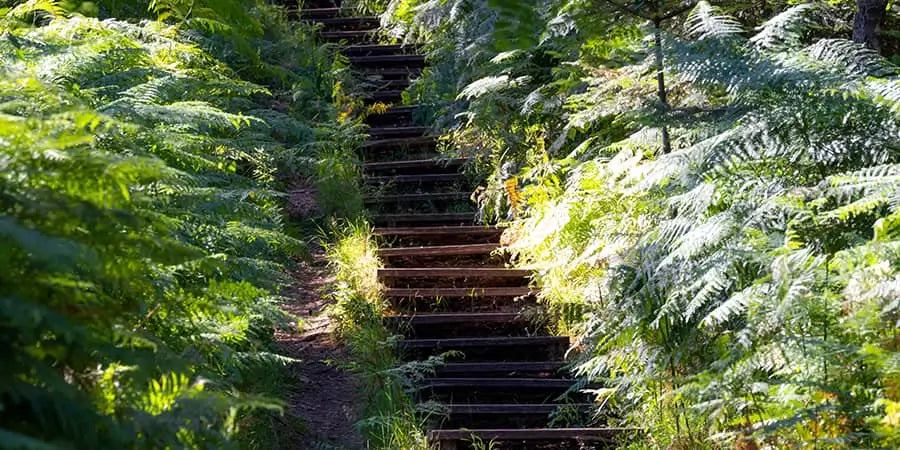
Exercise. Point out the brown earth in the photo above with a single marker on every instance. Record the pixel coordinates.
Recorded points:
(322, 398)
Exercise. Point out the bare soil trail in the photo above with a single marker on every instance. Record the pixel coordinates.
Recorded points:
(322, 398)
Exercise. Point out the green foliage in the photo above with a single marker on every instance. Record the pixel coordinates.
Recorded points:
(391, 419)
(141, 219)
(741, 288)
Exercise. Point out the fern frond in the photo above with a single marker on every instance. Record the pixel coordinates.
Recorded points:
(704, 22)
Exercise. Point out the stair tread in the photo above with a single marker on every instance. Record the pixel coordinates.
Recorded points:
(393, 130)
(542, 383)
(374, 59)
(416, 140)
(529, 434)
(347, 34)
(524, 366)
(427, 217)
(432, 177)
(434, 250)
(459, 292)
(450, 318)
(417, 197)
(379, 47)
(430, 231)
(348, 20)
(454, 272)
(503, 341)
(415, 164)
(511, 408)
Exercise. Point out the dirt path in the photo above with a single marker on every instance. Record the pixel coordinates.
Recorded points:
(322, 406)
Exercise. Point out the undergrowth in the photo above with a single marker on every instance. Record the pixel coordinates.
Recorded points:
(707, 191)
(141, 216)
(391, 420)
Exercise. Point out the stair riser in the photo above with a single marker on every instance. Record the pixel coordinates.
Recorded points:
(466, 330)
(547, 352)
(481, 260)
(453, 282)
(492, 395)
(408, 239)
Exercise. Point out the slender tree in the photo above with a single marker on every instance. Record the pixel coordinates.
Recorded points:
(657, 12)
(867, 23)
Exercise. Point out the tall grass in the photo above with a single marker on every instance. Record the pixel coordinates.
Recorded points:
(391, 418)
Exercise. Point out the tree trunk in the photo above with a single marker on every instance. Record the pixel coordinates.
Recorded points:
(661, 84)
(869, 17)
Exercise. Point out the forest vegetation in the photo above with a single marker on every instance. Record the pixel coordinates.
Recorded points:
(707, 192)
(144, 151)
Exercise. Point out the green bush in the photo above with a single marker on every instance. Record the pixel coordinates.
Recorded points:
(140, 215)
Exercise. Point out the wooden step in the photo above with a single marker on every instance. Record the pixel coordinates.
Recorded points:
(383, 73)
(315, 13)
(391, 96)
(479, 230)
(453, 272)
(457, 292)
(499, 367)
(512, 409)
(349, 36)
(359, 22)
(394, 116)
(365, 62)
(481, 343)
(427, 218)
(403, 198)
(415, 164)
(442, 437)
(396, 132)
(399, 142)
(397, 111)
(439, 250)
(422, 178)
(497, 383)
(454, 318)
(379, 49)
(385, 85)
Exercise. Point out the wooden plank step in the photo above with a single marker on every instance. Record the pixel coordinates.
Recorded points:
(389, 85)
(419, 178)
(388, 72)
(397, 110)
(439, 250)
(424, 218)
(316, 13)
(399, 142)
(400, 198)
(378, 49)
(454, 318)
(484, 342)
(368, 21)
(479, 230)
(392, 132)
(531, 434)
(497, 383)
(410, 59)
(354, 35)
(457, 292)
(391, 96)
(512, 409)
(397, 132)
(500, 367)
(415, 164)
(453, 272)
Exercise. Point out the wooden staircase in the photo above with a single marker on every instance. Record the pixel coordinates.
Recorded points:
(449, 288)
